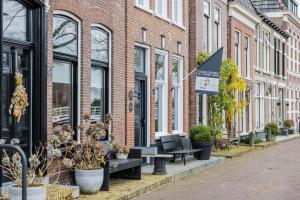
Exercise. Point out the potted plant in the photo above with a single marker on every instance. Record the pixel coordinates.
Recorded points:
(272, 130)
(113, 150)
(38, 164)
(289, 124)
(87, 159)
(201, 139)
(122, 153)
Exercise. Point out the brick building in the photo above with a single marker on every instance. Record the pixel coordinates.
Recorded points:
(285, 13)
(157, 61)
(208, 32)
(257, 46)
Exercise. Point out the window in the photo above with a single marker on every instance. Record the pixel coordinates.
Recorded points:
(266, 51)
(276, 56)
(161, 92)
(15, 18)
(293, 6)
(217, 29)
(237, 47)
(259, 98)
(177, 11)
(247, 57)
(206, 38)
(161, 8)
(140, 60)
(281, 106)
(142, 3)
(99, 74)
(283, 60)
(64, 74)
(177, 100)
(257, 47)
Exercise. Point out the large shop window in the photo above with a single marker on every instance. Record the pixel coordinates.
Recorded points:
(64, 75)
(177, 100)
(99, 73)
(20, 52)
(161, 93)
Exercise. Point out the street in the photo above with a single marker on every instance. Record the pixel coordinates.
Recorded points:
(269, 174)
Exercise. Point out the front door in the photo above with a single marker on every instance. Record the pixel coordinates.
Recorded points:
(140, 111)
(15, 59)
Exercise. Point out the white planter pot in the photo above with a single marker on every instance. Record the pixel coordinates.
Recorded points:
(33, 193)
(89, 181)
(122, 156)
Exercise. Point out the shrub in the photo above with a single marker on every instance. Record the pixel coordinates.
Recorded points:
(273, 127)
(200, 133)
(288, 123)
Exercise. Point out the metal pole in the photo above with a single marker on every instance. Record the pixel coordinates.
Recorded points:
(24, 166)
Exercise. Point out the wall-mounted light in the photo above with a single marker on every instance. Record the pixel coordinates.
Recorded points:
(144, 34)
(162, 41)
(178, 47)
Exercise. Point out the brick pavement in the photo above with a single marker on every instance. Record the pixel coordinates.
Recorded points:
(268, 174)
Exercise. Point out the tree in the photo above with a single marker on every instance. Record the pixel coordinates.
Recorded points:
(226, 101)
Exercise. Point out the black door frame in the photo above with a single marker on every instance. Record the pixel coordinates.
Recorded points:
(39, 74)
(143, 77)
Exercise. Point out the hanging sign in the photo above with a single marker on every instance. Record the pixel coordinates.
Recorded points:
(208, 75)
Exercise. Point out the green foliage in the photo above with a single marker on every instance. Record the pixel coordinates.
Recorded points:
(258, 140)
(288, 123)
(273, 127)
(226, 101)
(200, 133)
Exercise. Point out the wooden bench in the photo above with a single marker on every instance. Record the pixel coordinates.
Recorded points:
(172, 145)
(130, 168)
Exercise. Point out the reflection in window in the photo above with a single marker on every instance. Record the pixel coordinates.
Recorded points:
(99, 73)
(97, 94)
(175, 94)
(99, 43)
(159, 67)
(65, 35)
(140, 60)
(160, 84)
(62, 94)
(14, 20)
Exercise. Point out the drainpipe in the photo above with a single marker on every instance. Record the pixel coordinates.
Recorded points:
(126, 64)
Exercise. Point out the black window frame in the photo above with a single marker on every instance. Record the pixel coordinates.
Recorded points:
(73, 60)
(283, 60)
(104, 66)
(37, 44)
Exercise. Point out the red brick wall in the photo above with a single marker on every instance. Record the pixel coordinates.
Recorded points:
(110, 14)
(196, 17)
(138, 19)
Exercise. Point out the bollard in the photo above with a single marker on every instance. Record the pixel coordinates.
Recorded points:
(251, 139)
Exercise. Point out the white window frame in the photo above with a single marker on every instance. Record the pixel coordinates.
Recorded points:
(165, 95)
(237, 50)
(78, 21)
(217, 23)
(206, 17)
(180, 12)
(247, 57)
(144, 5)
(266, 51)
(257, 43)
(259, 98)
(179, 85)
(164, 8)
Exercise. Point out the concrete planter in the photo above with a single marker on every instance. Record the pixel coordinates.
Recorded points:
(89, 181)
(33, 193)
(122, 156)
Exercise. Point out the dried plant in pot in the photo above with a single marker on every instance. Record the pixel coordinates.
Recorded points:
(39, 162)
(122, 153)
(87, 159)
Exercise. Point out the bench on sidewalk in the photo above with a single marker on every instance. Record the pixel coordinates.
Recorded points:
(130, 168)
(173, 145)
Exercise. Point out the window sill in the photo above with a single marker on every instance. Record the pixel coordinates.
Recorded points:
(143, 8)
(277, 76)
(248, 78)
(266, 73)
(159, 134)
(179, 25)
(162, 17)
